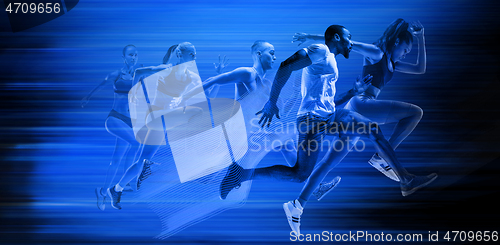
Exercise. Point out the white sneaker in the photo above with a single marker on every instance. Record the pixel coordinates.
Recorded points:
(293, 210)
(325, 187)
(381, 165)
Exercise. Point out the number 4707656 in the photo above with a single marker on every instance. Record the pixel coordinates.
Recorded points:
(32, 8)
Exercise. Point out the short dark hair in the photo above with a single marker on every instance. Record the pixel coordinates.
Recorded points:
(256, 45)
(332, 30)
(126, 47)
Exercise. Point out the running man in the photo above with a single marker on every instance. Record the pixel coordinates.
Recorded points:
(251, 91)
(317, 117)
(301, 171)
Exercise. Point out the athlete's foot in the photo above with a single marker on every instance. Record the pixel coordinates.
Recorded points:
(325, 187)
(381, 165)
(101, 199)
(145, 173)
(293, 211)
(416, 183)
(115, 197)
(231, 180)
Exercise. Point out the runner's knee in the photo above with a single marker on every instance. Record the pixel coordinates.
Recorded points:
(300, 175)
(374, 132)
(417, 112)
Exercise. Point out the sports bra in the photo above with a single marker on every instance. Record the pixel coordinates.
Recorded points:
(123, 84)
(380, 72)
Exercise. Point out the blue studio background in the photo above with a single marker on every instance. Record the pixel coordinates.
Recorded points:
(54, 152)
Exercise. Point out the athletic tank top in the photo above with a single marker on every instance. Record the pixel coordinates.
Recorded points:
(380, 72)
(124, 83)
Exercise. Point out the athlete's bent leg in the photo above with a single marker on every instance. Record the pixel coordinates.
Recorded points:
(409, 182)
(311, 130)
(405, 115)
(335, 154)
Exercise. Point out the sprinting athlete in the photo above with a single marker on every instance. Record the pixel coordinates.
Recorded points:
(172, 84)
(118, 122)
(301, 170)
(317, 117)
(251, 91)
(382, 59)
(251, 87)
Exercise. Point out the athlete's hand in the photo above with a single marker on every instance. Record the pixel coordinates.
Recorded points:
(84, 101)
(299, 37)
(177, 102)
(268, 112)
(361, 84)
(221, 65)
(417, 29)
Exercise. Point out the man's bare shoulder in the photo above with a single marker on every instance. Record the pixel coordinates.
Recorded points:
(245, 74)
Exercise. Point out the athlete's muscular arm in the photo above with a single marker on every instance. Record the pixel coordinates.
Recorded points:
(360, 85)
(111, 77)
(239, 75)
(147, 71)
(368, 50)
(420, 66)
(295, 62)
(301, 38)
(143, 72)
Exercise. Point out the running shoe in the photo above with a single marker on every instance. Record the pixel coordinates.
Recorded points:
(115, 197)
(231, 181)
(416, 183)
(325, 187)
(145, 173)
(381, 165)
(293, 211)
(101, 199)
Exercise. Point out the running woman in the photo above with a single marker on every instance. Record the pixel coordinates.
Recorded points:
(177, 79)
(118, 122)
